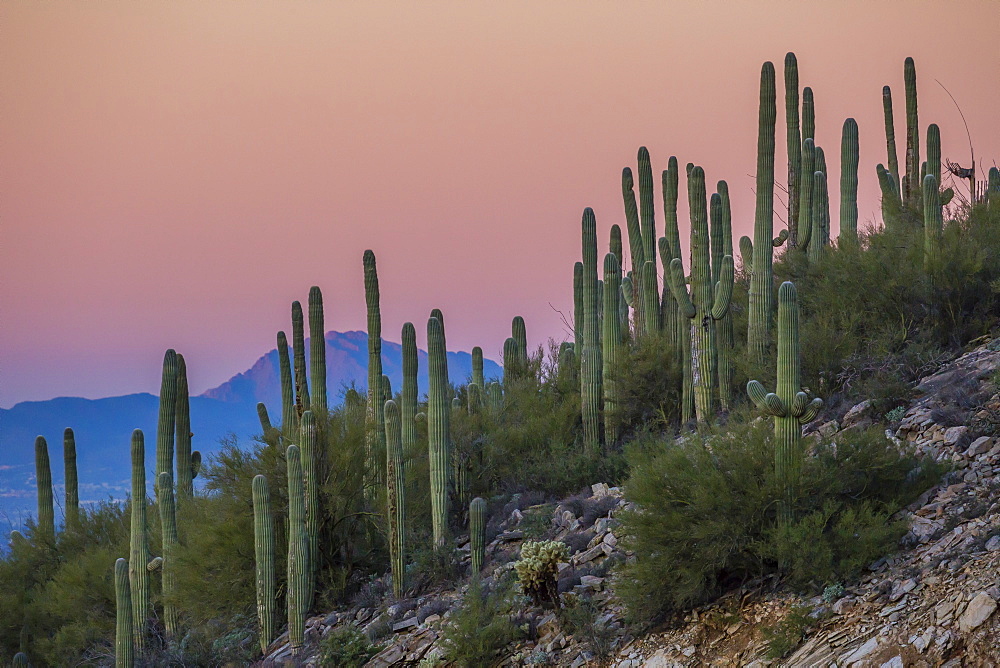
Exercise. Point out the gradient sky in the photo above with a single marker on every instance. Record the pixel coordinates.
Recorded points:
(174, 174)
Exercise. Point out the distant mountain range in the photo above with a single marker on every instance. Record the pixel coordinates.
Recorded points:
(103, 427)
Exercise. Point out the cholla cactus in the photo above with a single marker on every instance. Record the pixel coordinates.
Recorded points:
(538, 568)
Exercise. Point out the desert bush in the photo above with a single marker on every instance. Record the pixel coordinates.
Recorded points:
(482, 625)
(346, 647)
(707, 520)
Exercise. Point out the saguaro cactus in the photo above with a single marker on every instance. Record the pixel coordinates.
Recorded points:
(708, 300)
(615, 244)
(395, 506)
(670, 247)
(793, 141)
(263, 544)
(808, 114)
(43, 482)
(806, 182)
(72, 485)
(317, 350)
(182, 415)
(477, 534)
(635, 243)
(167, 416)
(722, 245)
(310, 455)
(933, 220)
(298, 553)
(820, 217)
(408, 397)
(302, 398)
(934, 152)
(375, 421)
(849, 181)
(124, 649)
(578, 305)
(21, 660)
(647, 224)
(993, 187)
(520, 335)
(438, 429)
(270, 434)
(890, 136)
(790, 406)
(761, 289)
(911, 185)
(891, 202)
(289, 415)
(511, 361)
(139, 556)
(168, 525)
(477, 367)
(612, 341)
(590, 383)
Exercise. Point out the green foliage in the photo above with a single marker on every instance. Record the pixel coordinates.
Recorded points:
(482, 625)
(707, 514)
(582, 618)
(786, 635)
(347, 647)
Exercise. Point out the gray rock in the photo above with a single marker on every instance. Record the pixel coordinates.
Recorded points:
(404, 625)
(854, 415)
(870, 646)
(894, 662)
(979, 610)
(981, 445)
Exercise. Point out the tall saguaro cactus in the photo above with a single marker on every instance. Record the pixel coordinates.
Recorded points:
(578, 305)
(167, 416)
(263, 544)
(722, 245)
(124, 649)
(761, 289)
(793, 141)
(933, 220)
(72, 485)
(303, 400)
(820, 217)
(317, 350)
(612, 342)
(297, 593)
(309, 451)
(670, 247)
(139, 556)
(708, 300)
(890, 136)
(477, 367)
(520, 335)
(168, 525)
(790, 406)
(289, 414)
(806, 182)
(395, 506)
(438, 429)
(43, 481)
(911, 184)
(182, 416)
(635, 243)
(849, 181)
(408, 396)
(647, 224)
(375, 421)
(934, 152)
(477, 534)
(590, 376)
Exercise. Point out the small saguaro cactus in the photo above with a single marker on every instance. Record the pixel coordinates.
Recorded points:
(395, 505)
(21, 661)
(520, 336)
(182, 433)
(708, 300)
(263, 543)
(590, 375)
(790, 406)
(408, 395)
(477, 534)
(612, 343)
(892, 205)
(124, 647)
(309, 451)
(72, 485)
(793, 141)
(511, 361)
(375, 420)
(317, 350)
(759, 322)
(477, 367)
(289, 415)
(933, 220)
(438, 429)
(167, 416)
(303, 400)
(139, 556)
(168, 524)
(297, 594)
(849, 181)
(43, 481)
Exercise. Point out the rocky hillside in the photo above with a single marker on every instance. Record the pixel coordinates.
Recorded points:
(931, 604)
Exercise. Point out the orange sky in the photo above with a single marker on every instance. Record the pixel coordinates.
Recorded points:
(174, 174)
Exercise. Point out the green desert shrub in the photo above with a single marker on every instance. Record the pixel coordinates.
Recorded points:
(482, 625)
(706, 515)
(347, 647)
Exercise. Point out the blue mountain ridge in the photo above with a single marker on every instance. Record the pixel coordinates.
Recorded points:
(103, 427)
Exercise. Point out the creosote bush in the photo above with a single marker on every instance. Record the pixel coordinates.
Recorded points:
(707, 514)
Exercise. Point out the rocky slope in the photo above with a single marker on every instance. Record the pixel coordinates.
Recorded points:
(931, 604)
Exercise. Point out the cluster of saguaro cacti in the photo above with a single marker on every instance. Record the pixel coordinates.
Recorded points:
(789, 405)
(375, 424)
(438, 429)
(395, 505)
(263, 542)
(708, 300)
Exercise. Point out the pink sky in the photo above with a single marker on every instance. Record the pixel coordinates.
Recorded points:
(174, 174)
